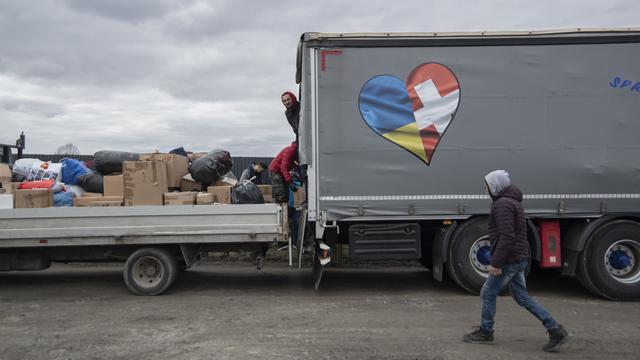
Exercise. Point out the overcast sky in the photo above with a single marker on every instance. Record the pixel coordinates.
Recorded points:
(141, 75)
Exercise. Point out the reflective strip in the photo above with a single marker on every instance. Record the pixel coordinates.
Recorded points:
(476, 197)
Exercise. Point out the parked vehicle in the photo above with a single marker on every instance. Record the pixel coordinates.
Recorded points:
(397, 131)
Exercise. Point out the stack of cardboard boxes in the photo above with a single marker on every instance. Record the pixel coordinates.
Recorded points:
(156, 179)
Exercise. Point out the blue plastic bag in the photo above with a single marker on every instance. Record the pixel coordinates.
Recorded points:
(63, 198)
(72, 170)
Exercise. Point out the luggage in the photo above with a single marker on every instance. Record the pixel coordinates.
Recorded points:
(210, 168)
(247, 193)
(108, 162)
(72, 170)
(63, 198)
(92, 182)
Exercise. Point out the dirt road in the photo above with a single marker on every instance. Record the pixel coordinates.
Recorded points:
(234, 312)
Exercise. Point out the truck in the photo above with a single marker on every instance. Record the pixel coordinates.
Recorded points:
(155, 243)
(397, 131)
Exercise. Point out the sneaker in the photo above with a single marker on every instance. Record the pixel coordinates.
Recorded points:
(557, 337)
(479, 336)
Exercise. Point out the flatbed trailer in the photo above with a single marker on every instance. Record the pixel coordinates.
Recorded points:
(154, 242)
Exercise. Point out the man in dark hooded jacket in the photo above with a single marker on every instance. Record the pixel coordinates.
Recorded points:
(509, 260)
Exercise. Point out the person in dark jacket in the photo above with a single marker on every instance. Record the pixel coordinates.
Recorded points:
(280, 170)
(292, 111)
(509, 260)
(254, 173)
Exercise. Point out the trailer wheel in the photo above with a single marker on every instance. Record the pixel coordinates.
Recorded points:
(150, 271)
(610, 263)
(470, 255)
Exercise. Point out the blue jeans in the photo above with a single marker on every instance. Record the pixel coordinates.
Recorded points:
(513, 276)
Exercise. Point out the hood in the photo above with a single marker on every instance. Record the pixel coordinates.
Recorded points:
(293, 97)
(497, 181)
(512, 192)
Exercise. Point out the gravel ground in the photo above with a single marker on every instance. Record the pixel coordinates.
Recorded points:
(231, 311)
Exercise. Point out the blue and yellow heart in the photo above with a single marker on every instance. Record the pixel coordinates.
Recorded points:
(414, 114)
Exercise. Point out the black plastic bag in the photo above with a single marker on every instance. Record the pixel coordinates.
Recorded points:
(92, 182)
(179, 151)
(210, 168)
(247, 193)
(108, 162)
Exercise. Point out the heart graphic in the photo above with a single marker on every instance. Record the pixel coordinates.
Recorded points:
(413, 115)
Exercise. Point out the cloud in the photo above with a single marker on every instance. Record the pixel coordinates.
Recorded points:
(141, 75)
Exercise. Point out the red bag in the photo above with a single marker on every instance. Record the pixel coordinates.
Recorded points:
(39, 184)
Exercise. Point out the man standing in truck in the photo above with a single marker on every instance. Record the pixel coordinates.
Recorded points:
(292, 111)
(509, 260)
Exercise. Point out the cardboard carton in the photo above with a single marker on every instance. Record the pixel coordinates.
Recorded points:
(98, 201)
(204, 198)
(145, 182)
(10, 187)
(188, 184)
(221, 194)
(33, 198)
(177, 166)
(90, 194)
(267, 193)
(299, 197)
(6, 201)
(105, 203)
(5, 173)
(114, 185)
(179, 198)
(226, 182)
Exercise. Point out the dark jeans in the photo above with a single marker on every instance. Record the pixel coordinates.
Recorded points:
(280, 191)
(512, 276)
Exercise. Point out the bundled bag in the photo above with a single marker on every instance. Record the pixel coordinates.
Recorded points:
(72, 170)
(40, 184)
(63, 198)
(210, 168)
(92, 182)
(45, 171)
(108, 162)
(247, 193)
(23, 166)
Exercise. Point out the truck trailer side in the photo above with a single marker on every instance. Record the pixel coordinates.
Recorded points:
(398, 130)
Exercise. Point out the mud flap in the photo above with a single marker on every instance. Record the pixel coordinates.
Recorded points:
(318, 269)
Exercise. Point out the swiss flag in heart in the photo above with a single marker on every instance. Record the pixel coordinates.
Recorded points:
(414, 115)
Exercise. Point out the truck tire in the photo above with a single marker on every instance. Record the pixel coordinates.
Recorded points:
(610, 262)
(470, 255)
(150, 271)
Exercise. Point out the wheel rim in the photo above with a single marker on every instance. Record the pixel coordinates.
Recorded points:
(621, 261)
(147, 272)
(480, 256)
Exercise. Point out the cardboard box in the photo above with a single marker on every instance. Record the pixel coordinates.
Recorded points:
(299, 197)
(5, 173)
(6, 201)
(177, 166)
(221, 194)
(226, 182)
(33, 198)
(145, 182)
(90, 194)
(188, 184)
(114, 185)
(10, 187)
(179, 198)
(267, 193)
(204, 198)
(98, 201)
